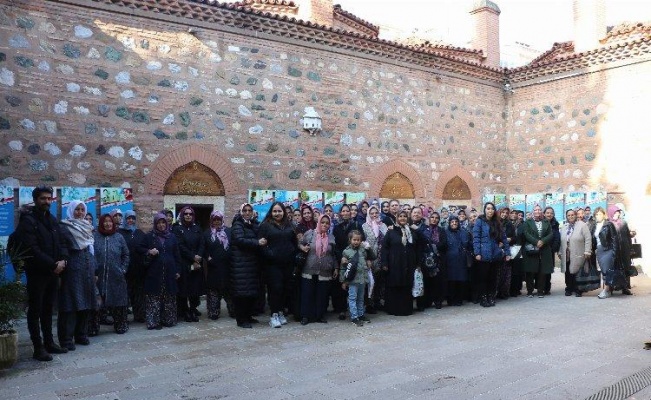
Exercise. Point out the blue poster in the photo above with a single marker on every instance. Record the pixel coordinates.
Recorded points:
(6, 210)
(500, 201)
(288, 198)
(86, 194)
(335, 199)
(597, 199)
(312, 198)
(574, 200)
(517, 201)
(533, 200)
(487, 198)
(261, 201)
(25, 199)
(116, 197)
(355, 198)
(556, 201)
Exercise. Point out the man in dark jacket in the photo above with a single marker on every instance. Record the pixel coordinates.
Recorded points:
(46, 257)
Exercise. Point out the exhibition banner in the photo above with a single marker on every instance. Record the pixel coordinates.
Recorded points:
(116, 197)
(500, 201)
(574, 200)
(335, 199)
(86, 194)
(533, 200)
(597, 199)
(25, 199)
(312, 198)
(517, 202)
(6, 210)
(556, 201)
(288, 198)
(261, 200)
(355, 197)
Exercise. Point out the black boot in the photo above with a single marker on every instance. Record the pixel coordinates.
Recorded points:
(41, 354)
(483, 301)
(491, 300)
(53, 348)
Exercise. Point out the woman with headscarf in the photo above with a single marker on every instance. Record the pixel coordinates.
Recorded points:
(399, 260)
(218, 256)
(537, 251)
(112, 258)
(136, 272)
(504, 270)
(277, 258)
(245, 271)
(491, 248)
(340, 233)
(625, 241)
(162, 261)
(362, 211)
(459, 245)
(576, 249)
(77, 293)
(319, 270)
(374, 232)
(191, 283)
(435, 237)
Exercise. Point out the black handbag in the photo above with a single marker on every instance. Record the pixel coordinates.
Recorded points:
(432, 261)
(636, 250)
(299, 262)
(351, 268)
(531, 250)
(590, 279)
(630, 271)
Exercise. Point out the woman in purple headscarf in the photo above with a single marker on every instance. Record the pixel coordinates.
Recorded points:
(218, 254)
(625, 241)
(162, 261)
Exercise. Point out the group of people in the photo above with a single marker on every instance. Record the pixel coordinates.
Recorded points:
(368, 257)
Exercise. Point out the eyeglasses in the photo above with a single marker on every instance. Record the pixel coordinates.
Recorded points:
(187, 213)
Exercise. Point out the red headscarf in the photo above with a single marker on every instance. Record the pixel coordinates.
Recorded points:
(103, 230)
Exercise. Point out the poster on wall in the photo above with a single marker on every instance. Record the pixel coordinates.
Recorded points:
(117, 197)
(556, 201)
(534, 199)
(6, 210)
(25, 199)
(355, 197)
(86, 194)
(261, 200)
(500, 201)
(597, 199)
(516, 202)
(335, 199)
(487, 198)
(312, 198)
(288, 198)
(574, 200)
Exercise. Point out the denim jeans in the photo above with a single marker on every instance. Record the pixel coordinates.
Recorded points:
(356, 299)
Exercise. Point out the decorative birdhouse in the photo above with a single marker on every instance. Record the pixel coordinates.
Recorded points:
(311, 121)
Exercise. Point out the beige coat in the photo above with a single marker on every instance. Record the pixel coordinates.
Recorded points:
(580, 244)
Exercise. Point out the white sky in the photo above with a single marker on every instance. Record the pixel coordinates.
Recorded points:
(538, 23)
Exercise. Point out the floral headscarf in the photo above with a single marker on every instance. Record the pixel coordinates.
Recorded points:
(218, 234)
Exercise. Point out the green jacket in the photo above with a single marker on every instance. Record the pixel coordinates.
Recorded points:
(544, 261)
(361, 277)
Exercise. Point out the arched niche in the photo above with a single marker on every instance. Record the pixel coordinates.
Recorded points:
(456, 189)
(397, 186)
(194, 179)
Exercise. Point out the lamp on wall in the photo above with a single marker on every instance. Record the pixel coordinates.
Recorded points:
(311, 121)
(508, 89)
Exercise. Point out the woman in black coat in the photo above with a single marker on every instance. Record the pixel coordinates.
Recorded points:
(136, 272)
(434, 235)
(400, 259)
(162, 260)
(218, 259)
(191, 282)
(278, 257)
(245, 274)
(340, 232)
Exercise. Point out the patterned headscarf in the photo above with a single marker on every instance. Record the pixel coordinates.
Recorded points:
(220, 233)
(374, 224)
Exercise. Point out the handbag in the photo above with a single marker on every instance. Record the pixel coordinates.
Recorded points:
(351, 268)
(531, 250)
(431, 261)
(418, 289)
(299, 262)
(636, 250)
(588, 278)
(630, 271)
(516, 251)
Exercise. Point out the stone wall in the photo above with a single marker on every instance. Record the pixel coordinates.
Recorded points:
(93, 98)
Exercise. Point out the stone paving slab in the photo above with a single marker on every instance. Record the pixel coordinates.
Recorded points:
(553, 348)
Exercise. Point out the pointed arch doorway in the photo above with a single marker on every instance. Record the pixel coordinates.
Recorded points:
(398, 186)
(456, 192)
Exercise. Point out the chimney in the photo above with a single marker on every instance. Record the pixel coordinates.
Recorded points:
(486, 35)
(589, 24)
(317, 11)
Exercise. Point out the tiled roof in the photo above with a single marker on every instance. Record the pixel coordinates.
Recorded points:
(460, 52)
(627, 31)
(558, 49)
(337, 10)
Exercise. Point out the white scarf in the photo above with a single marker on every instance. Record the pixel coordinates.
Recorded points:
(81, 230)
(406, 235)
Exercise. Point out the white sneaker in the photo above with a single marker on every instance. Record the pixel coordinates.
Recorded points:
(604, 294)
(282, 319)
(274, 322)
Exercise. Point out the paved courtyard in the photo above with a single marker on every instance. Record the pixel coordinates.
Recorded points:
(553, 348)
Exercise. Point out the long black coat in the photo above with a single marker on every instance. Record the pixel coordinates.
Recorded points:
(281, 245)
(400, 259)
(136, 271)
(190, 238)
(341, 231)
(218, 260)
(43, 242)
(161, 269)
(245, 273)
